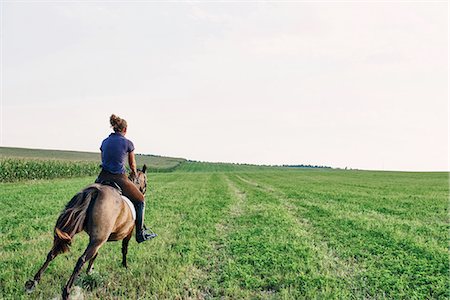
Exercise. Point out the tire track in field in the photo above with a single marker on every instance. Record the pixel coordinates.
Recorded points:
(218, 257)
(371, 218)
(332, 263)
(359, 272)
(256, 184)
(235, 210)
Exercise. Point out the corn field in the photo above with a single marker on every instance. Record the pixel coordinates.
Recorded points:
(16, 169)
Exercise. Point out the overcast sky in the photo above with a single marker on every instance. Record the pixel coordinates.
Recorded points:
(363, 85)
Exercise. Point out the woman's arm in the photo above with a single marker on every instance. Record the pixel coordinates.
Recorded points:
(132, 162)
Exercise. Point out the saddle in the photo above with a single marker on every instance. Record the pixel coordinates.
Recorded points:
(113, 184)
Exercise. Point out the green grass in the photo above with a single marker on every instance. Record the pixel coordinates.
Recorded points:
(193, 166)
(293, 234)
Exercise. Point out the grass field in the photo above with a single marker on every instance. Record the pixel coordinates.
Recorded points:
(193, 166)
(281, 234)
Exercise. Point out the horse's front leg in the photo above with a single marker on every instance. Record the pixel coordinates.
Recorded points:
(125, 242)
(31, 284)
(88, 254)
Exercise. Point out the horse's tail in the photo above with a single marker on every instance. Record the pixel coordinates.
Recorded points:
(72, 219)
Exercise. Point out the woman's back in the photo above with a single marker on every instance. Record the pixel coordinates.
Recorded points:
(115, 149)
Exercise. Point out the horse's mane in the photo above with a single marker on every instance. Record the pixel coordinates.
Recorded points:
(72, 218)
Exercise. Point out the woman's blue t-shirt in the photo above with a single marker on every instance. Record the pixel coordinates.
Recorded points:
(115, 149)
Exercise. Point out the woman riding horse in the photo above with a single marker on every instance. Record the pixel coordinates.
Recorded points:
(115, 150)
(100, 210)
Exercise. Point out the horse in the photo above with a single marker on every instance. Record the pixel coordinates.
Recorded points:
(101, 212)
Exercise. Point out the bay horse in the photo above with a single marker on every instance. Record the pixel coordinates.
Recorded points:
(101, 212)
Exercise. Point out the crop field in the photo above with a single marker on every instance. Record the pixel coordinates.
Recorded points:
(246, 234)
(21, 163)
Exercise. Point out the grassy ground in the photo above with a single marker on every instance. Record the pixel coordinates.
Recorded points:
(300, 234)
(193, 166)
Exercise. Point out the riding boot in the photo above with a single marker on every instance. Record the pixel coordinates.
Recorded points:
(141, 232)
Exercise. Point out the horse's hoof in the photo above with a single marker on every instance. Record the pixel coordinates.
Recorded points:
(65, 294)
(30, 286)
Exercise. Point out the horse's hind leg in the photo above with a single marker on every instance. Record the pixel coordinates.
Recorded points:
(88, 254)
(31, 284)
(91, 262)
(125, 249)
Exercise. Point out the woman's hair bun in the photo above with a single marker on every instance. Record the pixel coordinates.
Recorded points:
(117, 123)
(113, 119)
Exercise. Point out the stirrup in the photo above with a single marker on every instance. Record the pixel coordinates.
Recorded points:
(145, 236)
(148, 231)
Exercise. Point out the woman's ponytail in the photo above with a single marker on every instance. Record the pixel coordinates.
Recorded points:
(117, 123)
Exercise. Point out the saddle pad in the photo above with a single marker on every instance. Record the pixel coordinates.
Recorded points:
(130, 204)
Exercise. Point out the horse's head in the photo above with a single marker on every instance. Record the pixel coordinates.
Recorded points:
(140, 180)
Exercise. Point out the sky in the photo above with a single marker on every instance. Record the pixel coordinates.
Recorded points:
(344, 84)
